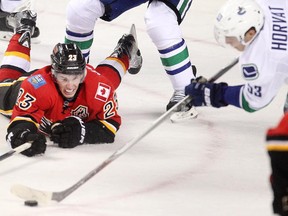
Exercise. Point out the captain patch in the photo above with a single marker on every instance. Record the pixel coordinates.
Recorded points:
(103, 92)
(36, 81)
(250, 71)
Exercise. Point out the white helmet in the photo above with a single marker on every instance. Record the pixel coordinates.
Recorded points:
(235, 18)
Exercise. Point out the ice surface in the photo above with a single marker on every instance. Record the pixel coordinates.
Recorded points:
(213, 165)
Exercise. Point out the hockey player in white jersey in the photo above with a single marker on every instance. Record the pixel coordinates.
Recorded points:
(258, 29)
(162, 18)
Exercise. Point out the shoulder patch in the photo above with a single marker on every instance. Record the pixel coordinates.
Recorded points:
(37, 81)
(103, 92)
(250, 71)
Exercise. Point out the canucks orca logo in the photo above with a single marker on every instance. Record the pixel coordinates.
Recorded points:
(241, 11)
(250, 71)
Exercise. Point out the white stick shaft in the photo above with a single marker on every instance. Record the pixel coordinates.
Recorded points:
(58, 196)
(45, 196)
(16, 150)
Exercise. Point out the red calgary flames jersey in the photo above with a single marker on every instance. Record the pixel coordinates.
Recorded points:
(41, 102)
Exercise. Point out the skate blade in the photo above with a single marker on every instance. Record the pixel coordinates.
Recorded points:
(133, 32)
(182, 116)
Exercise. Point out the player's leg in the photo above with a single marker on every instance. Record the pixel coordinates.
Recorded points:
(6, 8)
(81, 18)
(277, 147)
(83, 14)
(10, 5)
(125, 54)
(17, 55)
(163, 28)
(16, 60)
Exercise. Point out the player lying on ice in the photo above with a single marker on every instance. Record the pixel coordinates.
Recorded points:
(69, 101)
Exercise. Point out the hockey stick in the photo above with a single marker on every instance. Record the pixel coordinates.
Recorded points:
(223, 70)
(16, 150)
(44, 197)
(185, 115)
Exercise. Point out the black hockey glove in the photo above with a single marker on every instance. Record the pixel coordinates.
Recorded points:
(204, 93)
(17, 137)
(69, 132)
(277, 146)
(96, 133)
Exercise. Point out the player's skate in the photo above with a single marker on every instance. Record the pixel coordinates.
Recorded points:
(184, 111)
(177, 96)
(128, 45)
(24, 23)
(6, 30)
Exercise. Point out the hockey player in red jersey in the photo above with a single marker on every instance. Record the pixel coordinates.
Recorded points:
(69, 101)
(277, 147)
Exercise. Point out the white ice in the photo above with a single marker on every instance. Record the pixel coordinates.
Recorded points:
(213, 165)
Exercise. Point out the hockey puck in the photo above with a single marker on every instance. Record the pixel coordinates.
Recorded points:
(31, 203)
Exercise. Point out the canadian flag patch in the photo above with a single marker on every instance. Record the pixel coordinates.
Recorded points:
(103, 92)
